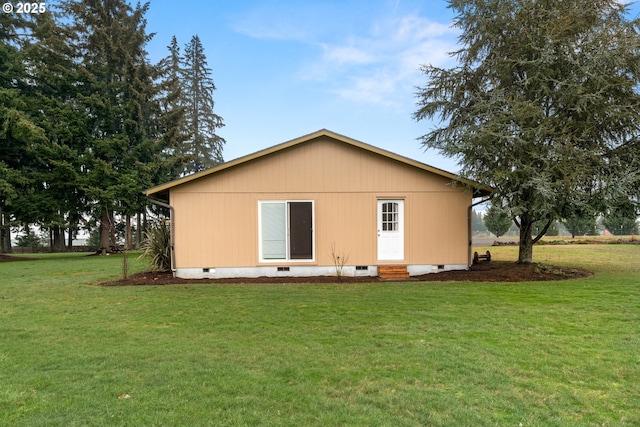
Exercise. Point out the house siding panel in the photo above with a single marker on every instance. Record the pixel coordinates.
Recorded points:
(320, 167)
(217, 216)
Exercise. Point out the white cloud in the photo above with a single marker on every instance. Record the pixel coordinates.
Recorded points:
(357, 55)
(413, 28)
(348, 54)
(377, 89)
(382, 67)
(279, 28)
(287, 21)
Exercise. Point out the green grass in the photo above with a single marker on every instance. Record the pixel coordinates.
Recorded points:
(563, 353)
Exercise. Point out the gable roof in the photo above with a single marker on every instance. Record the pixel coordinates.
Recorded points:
(162, 190)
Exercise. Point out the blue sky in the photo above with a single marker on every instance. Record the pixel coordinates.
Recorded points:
(286, 68)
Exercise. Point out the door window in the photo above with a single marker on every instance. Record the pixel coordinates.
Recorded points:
(390, 216)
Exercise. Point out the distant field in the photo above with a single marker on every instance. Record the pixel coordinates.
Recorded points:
(563, 353)
(485, 240)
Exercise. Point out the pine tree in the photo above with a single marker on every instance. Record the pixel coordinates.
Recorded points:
(19, 135)
(497, 220)
(60, 199)
(621, 219)
(9, 68)
(543, 105)
(82, 126)
(172, 110)
(579, 219)
(204, 146)
(117, 93)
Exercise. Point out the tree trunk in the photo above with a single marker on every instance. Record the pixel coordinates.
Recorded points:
(5, 233)
(70, 239)
(138, 230)
(144, 221)
(74, 220)
(112, 229)
(127, 233)
(105, 230)
(58, 239)
(525, 250)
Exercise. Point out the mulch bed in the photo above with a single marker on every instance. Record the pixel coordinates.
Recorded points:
(494, 271)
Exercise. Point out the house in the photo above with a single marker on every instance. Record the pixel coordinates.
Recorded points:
(293, 209)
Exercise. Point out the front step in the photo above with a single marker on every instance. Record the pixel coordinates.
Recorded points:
(387, 272)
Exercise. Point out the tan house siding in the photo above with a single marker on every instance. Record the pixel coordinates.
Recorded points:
(441, 238)
(216, 216)
(319, 166)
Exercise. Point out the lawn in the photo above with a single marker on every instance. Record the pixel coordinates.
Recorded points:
(562, 353)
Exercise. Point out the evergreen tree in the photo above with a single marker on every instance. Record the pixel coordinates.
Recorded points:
(19, 135)
(622, 219)
(543, 104)
(86, 124)
(581, 226)
(497, 220)
(29, 239)
(117, 93)
(580, 220)
(59, 201)
(172, 111)
(203, 146)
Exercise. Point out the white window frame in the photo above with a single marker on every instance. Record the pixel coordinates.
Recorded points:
(287, 257)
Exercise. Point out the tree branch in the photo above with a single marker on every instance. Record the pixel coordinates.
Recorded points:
(543, 232)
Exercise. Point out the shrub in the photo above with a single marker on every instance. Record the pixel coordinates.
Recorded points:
(29, 240)
(157, 246)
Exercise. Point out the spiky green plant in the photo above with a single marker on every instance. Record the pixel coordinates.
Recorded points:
(157, 246)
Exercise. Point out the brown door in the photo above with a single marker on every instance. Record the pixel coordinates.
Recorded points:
(301, 230)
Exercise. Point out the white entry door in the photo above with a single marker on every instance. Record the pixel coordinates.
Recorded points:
(390, 230)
